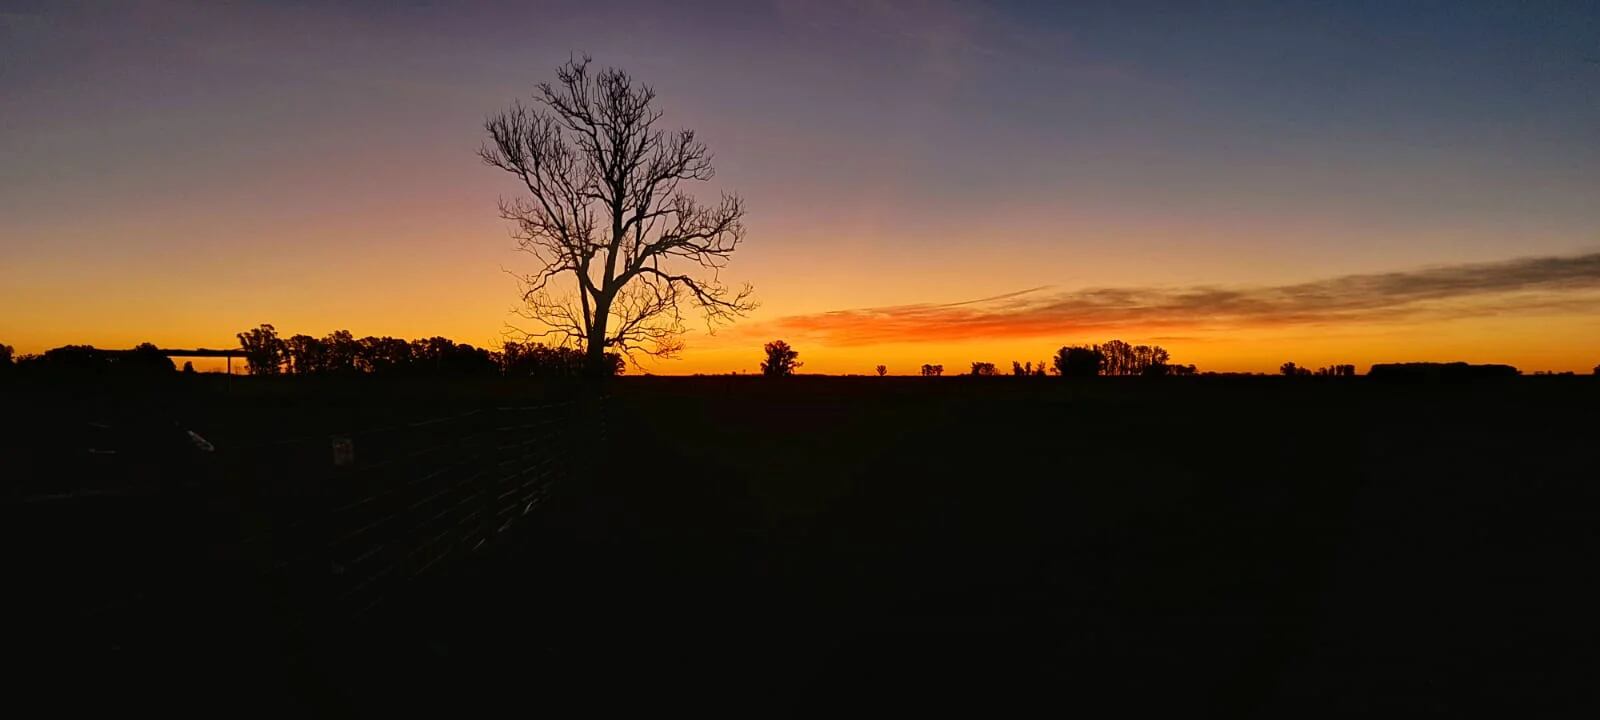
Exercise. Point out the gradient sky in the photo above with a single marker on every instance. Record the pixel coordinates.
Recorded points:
(1244, 183)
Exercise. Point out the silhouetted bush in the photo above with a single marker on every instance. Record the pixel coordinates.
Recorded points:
(882, 370)
(983, 369)
(1290, 369)
(781, 359)
(75, 358)
(932, 370)
(6, 353)
(1079, 362)
(144, 359)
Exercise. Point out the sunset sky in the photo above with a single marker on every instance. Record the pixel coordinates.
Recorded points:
(927, 182)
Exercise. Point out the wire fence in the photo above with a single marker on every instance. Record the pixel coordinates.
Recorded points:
(347, 522)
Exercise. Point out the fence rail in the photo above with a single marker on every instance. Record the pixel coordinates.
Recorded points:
(387, 505)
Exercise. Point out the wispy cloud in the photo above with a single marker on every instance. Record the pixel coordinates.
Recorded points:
(1521, 285)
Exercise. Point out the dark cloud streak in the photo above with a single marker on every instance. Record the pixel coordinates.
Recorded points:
(1527, 284)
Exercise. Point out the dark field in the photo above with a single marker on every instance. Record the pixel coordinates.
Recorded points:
(1219, 547)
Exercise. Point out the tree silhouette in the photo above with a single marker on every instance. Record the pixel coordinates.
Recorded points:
(1597, 369)
(145, 357)
(882, 370)
(1079, 361)
(341, 350)
(6, 353)
(1122, 358)
(780, 360)
(383, 355)
(605, 204)
(535, 360)
(307, 355)
(1028, 369)
(932, 370)
(1289, 369)
(983, 369)
(263, 350)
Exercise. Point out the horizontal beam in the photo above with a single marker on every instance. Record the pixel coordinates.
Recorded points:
(177, 352)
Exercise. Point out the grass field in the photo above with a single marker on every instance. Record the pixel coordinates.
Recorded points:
(1213, 546)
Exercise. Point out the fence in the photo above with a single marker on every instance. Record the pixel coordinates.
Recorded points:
(347, 522)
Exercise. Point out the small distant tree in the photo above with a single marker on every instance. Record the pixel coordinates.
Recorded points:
(263, 350)
(1596, 369)
(1079, 362)
(6, 352)
(1290, 369)
(983, 369)
(188, 368)
(932, 370)
(1027, 369)
(1336, 371)
(882, 370)
(781, 359)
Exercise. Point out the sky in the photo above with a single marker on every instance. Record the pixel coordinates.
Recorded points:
(926, 182)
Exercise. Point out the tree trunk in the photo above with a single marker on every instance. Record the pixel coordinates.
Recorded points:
(595, 346)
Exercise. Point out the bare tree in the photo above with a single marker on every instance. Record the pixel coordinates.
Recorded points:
(605, 204)
(882, 369)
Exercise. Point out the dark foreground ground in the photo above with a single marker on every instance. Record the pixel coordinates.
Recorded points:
(1212, 547)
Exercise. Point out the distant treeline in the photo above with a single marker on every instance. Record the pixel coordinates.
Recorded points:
(145, 359)
(1443, 371)
(338, 353)
(1113, 357)
(1292, 370)
(341, 353)
(1116, 357)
